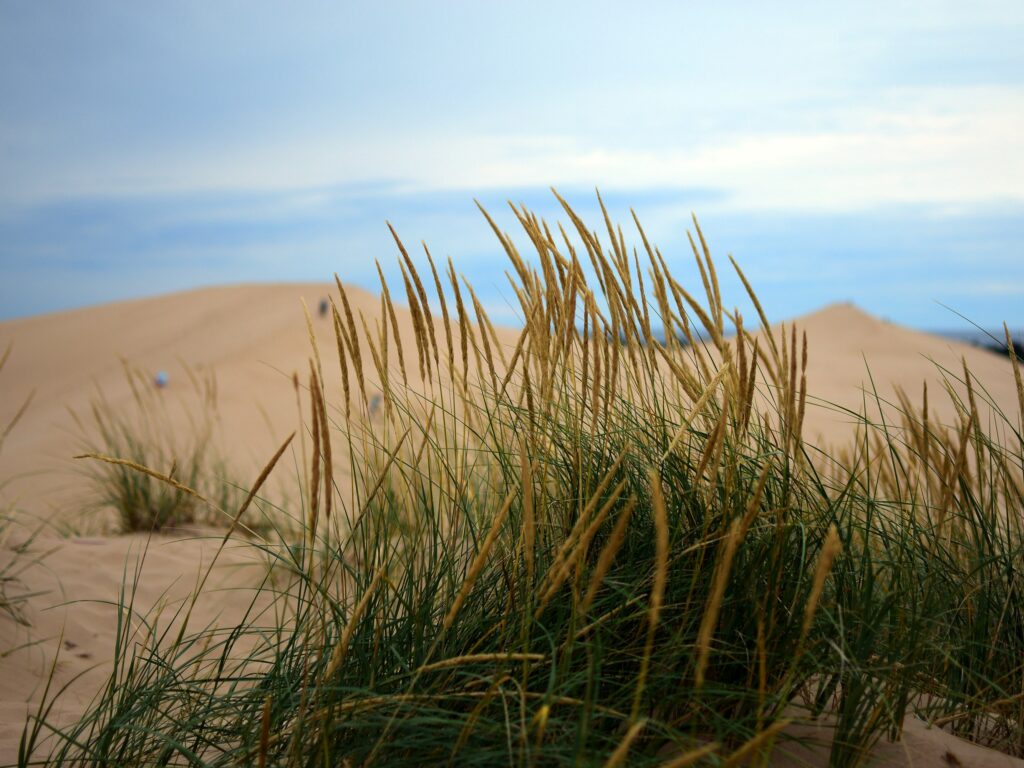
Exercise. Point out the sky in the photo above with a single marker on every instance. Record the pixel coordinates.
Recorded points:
(865, 152)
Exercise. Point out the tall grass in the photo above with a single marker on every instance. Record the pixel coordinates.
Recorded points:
(596, 544)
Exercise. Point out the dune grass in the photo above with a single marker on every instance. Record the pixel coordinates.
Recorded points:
(594, 547)
(172, 433)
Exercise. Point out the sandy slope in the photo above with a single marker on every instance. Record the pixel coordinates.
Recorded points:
(254, 337)
(852, 355)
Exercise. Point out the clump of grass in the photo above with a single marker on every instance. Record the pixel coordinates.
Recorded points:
(149, 431)
(598, 543)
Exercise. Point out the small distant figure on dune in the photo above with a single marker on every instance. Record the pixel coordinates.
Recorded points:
(324, 306)
(375, 402)
(160, 380)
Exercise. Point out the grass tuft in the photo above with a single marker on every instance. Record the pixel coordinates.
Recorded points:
(152, 472)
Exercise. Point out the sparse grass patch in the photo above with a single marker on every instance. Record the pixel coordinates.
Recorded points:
(15, 556)
(174, 433)
(15, 553)
(596, 544)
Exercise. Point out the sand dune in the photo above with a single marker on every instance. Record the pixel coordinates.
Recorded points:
(853, 355)
(253, 337)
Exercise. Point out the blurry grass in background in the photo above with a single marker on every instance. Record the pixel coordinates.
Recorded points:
(175, 433)
(16, 552)
(595, 545)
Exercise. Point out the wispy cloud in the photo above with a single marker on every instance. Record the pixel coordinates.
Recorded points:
(953, 145)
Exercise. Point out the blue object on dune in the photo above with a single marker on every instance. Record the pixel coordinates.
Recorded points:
(160, 379)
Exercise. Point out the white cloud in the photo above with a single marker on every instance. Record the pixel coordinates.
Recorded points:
(952, 146)
(938, 146)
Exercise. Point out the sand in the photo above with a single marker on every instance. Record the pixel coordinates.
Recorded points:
(253, 337)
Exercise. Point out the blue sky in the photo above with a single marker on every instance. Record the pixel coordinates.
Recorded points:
(870, 152)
